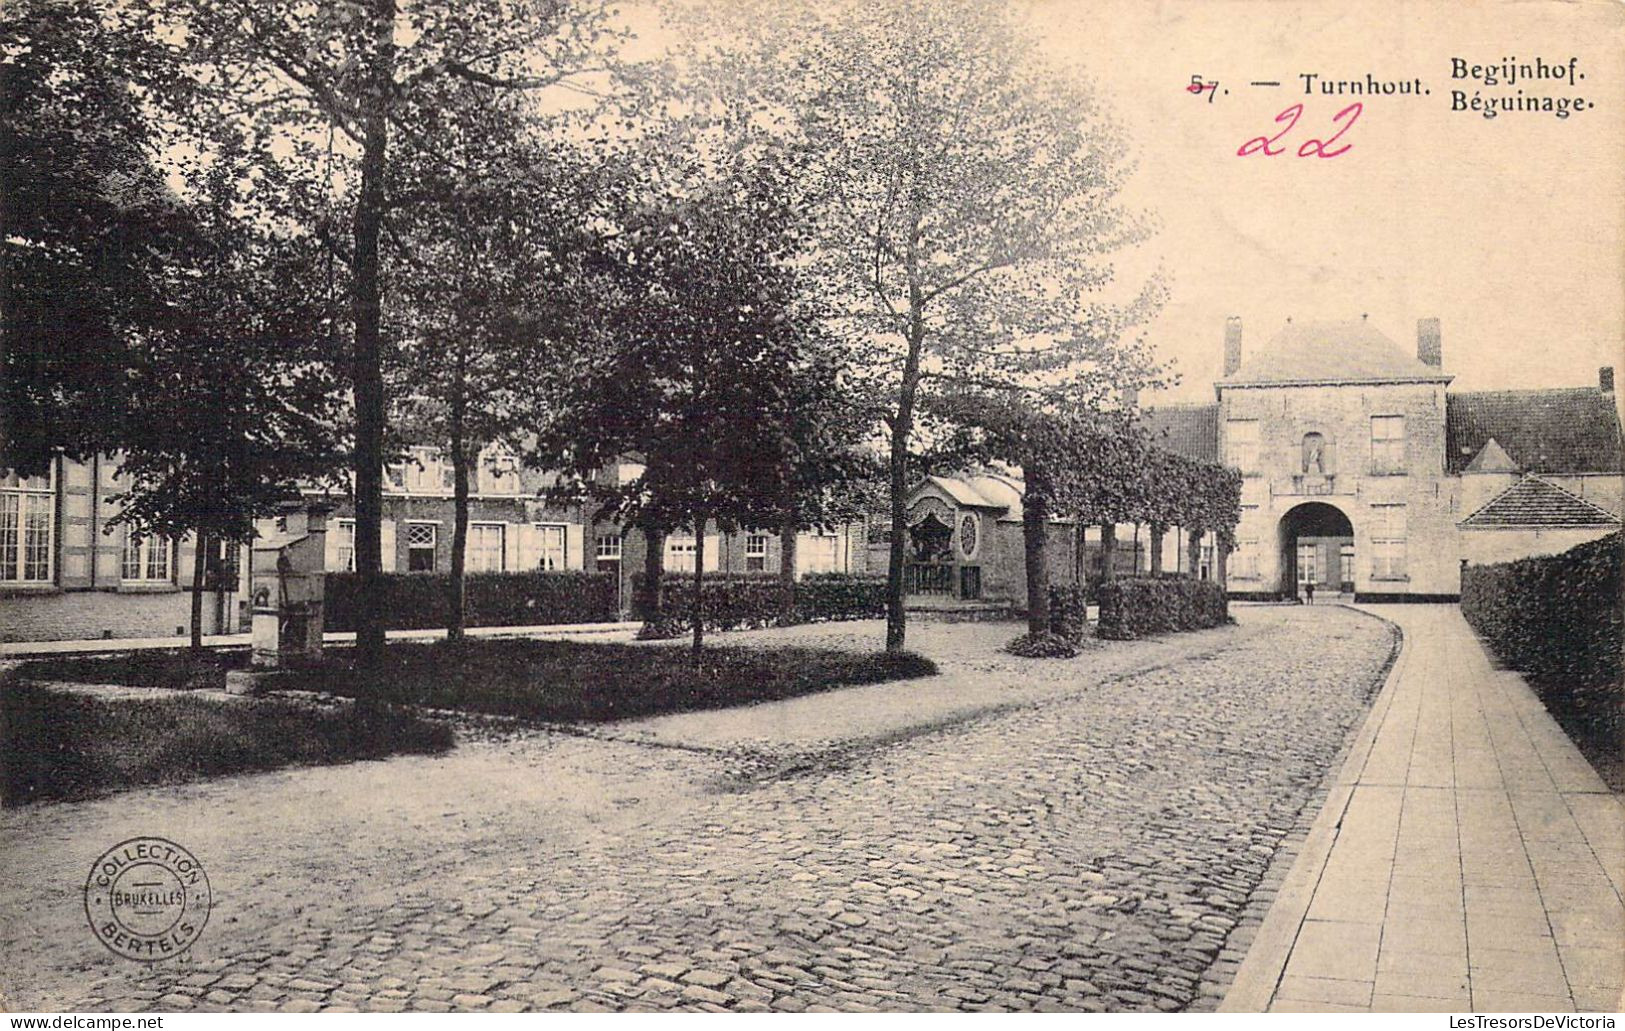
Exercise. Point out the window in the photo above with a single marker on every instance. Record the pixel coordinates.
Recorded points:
(146, 559)
(1207, 560)
(1247, 558)
(345, 529)
(817, 553)
(485, 547)
(550, 547)
(607, 547)
(421, 539)
(1346, 564)
(26, 509)
(1306, 564)
(1388, 542)
(756, 552)
(1387, 444)
(1241, 445)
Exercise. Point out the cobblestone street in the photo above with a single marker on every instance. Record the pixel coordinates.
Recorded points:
(1012, 834)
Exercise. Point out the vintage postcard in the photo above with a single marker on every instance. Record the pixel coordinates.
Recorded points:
(785, 506)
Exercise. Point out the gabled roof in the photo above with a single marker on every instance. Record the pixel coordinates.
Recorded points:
(1533, 501)
(1190, 431)
(1491, 458)
(1351, 351)
(961, 491)
(1568, 430)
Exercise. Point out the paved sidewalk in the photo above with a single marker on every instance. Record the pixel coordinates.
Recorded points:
(1468, 857)
(136, 644)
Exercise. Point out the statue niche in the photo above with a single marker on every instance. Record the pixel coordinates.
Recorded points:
(1317, 457)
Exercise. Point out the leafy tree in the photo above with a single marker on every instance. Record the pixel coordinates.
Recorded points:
(486, 277)
(86, 226)
(700, 366)
(165, 328)
(966, 193)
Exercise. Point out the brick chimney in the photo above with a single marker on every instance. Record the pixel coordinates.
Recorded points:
(1232, 344)
(1429, 348)
(1605, 379)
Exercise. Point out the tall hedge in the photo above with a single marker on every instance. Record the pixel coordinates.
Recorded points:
(1554, 616)
(418, 601)
(735, 601)
(1069, 611)
(1139, 607)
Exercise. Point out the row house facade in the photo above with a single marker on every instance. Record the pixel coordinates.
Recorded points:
(68, 573)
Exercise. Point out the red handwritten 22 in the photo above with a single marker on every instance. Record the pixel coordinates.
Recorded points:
(1266, 145)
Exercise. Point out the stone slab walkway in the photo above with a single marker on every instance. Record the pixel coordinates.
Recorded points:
(1468, 857)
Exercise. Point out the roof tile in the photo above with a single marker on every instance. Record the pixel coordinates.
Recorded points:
(1568, 430)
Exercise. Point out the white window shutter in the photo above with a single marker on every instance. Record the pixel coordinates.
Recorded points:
(713, 552)
(575, 537)
(529, 544)
(386, 534)
(330, 555)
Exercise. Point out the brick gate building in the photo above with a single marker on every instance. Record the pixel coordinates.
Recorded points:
(1364, 474)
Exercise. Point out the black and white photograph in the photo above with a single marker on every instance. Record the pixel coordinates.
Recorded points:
(812, 507)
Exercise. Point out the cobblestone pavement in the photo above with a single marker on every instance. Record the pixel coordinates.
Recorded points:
(1063, 836)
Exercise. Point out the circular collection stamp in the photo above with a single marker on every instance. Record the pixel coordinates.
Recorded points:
(147, 899)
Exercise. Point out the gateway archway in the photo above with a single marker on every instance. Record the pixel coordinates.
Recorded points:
(1317, 546)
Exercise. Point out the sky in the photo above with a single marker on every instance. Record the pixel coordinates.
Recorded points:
(1510, 230)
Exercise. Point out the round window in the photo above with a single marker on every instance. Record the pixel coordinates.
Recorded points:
(967, 535)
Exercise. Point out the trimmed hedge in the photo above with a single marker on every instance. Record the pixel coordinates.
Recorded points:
(1555, 616)
(419, 601)
(1069, 611)
(1043, 646)
(1139, 607)
(735, 601)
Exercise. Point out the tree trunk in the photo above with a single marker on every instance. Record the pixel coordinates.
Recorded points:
(699, 583)
(902, 425)
(1222, 560)
(1196, 554)
(1108, 551)
(654, 569)
(1035, 535)
(457, 603)
(457, 613)
(200, 561)
(366, 371)
(1158, 530)
(788, 527)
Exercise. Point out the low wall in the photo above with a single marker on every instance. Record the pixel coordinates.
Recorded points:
(93, 615)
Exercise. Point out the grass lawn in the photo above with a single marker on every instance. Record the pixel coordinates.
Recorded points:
(55, 745)
(553, 681)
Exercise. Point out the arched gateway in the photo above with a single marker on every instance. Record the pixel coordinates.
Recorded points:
(1317, 546)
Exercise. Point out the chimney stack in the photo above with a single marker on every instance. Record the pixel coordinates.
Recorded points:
(1429, 347)
(1605, 379)
(1232, 344)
